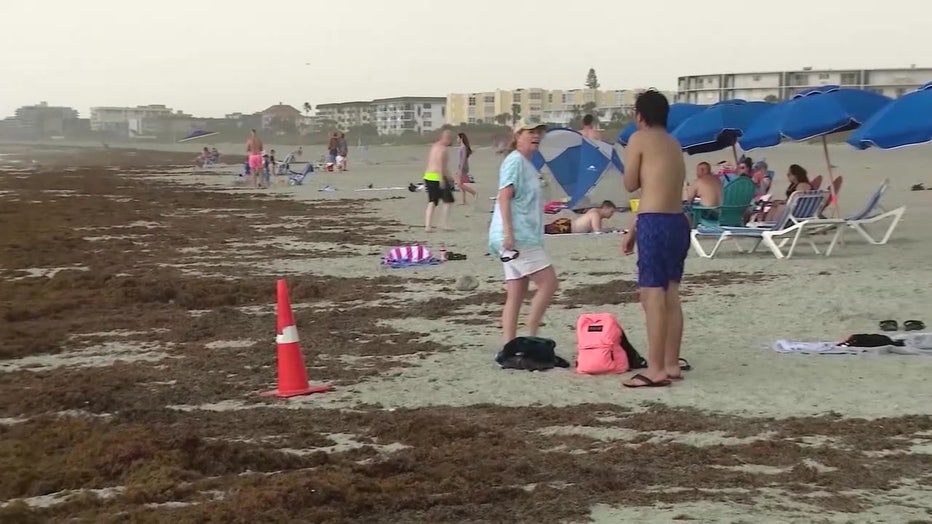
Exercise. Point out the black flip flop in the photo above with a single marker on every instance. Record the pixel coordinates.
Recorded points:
(684, 365)
(913, 325)
(889, 325)
(646, 382)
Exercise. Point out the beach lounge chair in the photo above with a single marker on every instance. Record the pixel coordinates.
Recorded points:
(736, 199)
(870, 214)
(801, 209)
(283, 167)
(296, 179)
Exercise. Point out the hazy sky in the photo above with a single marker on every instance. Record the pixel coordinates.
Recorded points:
(211, 57)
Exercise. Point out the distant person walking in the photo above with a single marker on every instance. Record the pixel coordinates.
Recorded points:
(462, 169)
(438, 183)
(254, 148)
(333, 148)
(342, 152)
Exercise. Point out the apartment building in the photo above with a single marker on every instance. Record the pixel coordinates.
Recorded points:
(347, 114)
(43, 120)
(117, 118)
(538, 105)
(780, 85)
(418, 114)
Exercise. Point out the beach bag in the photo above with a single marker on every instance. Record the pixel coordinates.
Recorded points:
(530, 354)
(598, 345)
(559, 226)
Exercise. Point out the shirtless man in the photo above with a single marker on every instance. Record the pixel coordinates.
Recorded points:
(438, 182)
(588, 128)
(654, 164)
(707, 188)
(591, 220)
(254, 147)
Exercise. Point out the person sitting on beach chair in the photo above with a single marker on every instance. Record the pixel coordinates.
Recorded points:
(588, 222)
(283, 167)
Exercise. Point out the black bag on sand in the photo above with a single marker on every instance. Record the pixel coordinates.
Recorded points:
(635, 360)
(531, 354)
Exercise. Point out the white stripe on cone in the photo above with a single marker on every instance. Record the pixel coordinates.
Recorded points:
(289, 335)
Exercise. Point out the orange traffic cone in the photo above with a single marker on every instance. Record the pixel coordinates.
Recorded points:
(292, 375)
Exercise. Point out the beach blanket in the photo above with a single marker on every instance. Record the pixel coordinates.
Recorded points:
(409, 256)
(912, 344)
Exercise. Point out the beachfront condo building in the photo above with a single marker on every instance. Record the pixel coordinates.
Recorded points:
(418, 114)
(117, 118)
(552, 106)
(345, 115)
(780, 85)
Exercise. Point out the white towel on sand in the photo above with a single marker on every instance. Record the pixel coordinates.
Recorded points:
(913, 344)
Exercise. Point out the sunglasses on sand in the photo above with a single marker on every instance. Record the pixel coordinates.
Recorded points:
(509, 258)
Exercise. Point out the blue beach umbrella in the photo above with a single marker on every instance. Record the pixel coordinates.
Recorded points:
(678, 113)
(576, 162)
(718, 126)
(904, 122)
(813, 113)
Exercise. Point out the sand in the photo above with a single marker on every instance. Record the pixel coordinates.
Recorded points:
(729, 329)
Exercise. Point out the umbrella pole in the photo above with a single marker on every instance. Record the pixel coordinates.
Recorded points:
(734, 152)
(831, 180)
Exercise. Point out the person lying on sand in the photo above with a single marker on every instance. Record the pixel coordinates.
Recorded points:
(588, 222)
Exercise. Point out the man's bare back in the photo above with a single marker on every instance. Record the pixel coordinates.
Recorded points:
(254, 145)
(588, 222)
(657, 159)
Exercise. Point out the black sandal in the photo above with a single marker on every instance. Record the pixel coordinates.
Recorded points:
(913, 325)
(889, 325)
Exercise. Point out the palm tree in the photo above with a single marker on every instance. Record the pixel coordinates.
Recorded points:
(515, 113)
(307, 109)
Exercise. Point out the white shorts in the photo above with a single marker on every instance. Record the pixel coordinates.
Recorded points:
(529, 261)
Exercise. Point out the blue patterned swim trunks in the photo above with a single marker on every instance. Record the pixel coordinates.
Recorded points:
(663, 243)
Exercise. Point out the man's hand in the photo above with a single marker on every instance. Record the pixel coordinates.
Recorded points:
(628, 241)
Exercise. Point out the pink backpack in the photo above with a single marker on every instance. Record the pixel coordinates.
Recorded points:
(598, 345)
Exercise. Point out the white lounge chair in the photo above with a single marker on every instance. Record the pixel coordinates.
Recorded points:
(801, 208)
(873, 212)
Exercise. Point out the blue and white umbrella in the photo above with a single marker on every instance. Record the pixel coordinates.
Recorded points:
(576, 162)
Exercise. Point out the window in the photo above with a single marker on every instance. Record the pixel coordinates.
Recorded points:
(426, 106)
(489, 99)
(535, 96)
(849, 79)
(427, 123)
(823, 76)
(756, 78)
(426, 114)
(471, 121)
(443, 111)
(517, 98)
(563, 96)
(550, 98)
(472, 101)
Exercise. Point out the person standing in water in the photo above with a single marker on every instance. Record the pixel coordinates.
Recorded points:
(654, 164)
(254, 148)
(462, 169)
(438, 183)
